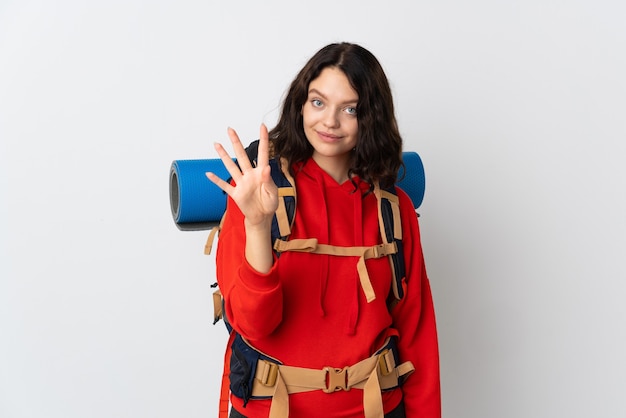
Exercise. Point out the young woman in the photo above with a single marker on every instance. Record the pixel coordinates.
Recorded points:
(322, 318)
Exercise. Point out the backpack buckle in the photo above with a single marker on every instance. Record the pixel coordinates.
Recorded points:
(269, 374)
(384, 367)
(336, 379)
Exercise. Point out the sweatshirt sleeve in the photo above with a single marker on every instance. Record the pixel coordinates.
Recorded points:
(253, 301)
(414, 317)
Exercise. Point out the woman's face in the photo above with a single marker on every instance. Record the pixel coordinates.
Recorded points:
(330, 120)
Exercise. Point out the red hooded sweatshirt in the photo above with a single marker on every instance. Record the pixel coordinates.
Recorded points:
(310, 311)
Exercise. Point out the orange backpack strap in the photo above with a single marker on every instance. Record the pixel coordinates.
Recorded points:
(311, 245)
(390, 224)
(284, 217)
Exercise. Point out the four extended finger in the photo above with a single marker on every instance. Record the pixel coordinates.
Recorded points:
(240, 152)
(225, 186)
(263, 152)
(228, 162)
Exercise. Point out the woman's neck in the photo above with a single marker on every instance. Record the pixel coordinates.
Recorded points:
(335, 167)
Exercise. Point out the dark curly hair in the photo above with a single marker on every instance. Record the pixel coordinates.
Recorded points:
(378, 153)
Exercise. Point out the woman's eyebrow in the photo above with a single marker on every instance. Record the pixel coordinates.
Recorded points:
(319, 93)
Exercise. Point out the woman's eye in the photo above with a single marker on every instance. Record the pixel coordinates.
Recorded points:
(316, 103)
(351, 110)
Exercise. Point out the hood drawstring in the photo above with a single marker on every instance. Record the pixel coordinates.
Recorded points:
(353, 315)
(323, 235)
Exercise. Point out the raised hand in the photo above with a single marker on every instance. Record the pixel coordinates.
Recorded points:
(254, 191)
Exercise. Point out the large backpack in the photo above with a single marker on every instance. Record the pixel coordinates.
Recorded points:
(241, 358)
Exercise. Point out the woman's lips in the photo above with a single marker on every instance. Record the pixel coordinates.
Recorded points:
(327, 137)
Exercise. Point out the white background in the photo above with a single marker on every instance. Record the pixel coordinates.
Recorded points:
(518, 109)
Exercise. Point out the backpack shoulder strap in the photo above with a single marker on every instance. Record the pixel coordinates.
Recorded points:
(285, 214)
(283, 219)
(391, 231)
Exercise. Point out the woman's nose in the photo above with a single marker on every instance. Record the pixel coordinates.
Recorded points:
(331, 119)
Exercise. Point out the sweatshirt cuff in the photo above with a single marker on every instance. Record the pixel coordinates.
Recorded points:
(256, 281)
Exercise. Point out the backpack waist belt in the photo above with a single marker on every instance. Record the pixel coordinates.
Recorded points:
(372, 375)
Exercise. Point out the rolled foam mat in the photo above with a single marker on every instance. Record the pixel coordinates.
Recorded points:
(197, 204)
(414, 181)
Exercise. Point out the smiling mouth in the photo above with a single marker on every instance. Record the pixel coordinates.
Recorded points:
(328, 137)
